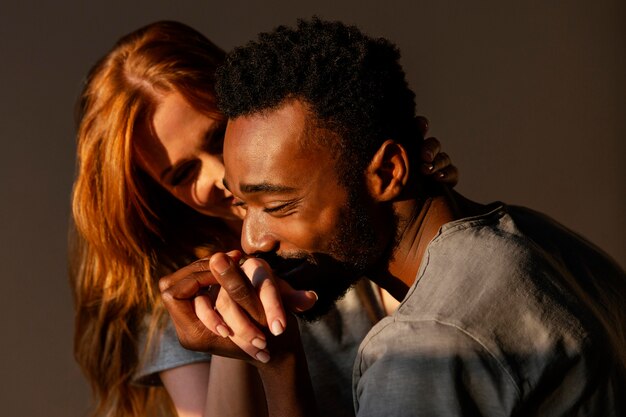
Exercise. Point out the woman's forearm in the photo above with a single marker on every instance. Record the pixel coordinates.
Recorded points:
(235, 390)
(187, 387)
(288, 388)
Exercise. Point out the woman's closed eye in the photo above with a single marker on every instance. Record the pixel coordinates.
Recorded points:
(239, 203)
(184, 173)
(215, 140)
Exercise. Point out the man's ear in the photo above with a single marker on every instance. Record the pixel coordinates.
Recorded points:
(388, 171)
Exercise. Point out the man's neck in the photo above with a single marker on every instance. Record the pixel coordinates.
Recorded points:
(419, 226)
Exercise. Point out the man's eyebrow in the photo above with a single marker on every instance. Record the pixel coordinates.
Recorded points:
(264, 187)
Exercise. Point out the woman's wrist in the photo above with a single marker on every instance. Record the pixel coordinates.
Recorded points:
(287, 385)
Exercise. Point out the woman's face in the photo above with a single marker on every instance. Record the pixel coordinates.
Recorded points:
(181, 149)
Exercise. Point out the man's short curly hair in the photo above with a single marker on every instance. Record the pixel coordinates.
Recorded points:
(352, 84)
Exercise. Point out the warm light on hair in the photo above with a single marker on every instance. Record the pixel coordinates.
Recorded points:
(120, 241)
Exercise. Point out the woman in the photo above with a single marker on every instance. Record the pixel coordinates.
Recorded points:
(137, 216)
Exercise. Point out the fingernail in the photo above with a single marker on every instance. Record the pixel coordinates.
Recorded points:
(263, 356)
(259, 343)
(277, 327)
(429, 167)
(310, 298)
(222, 330)
(221, 264)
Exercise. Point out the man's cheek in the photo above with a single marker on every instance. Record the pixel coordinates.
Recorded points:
(303, 236)
(318, 240)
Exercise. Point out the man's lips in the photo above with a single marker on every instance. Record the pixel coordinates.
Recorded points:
(293, 271)
(290, 271)
(296, 270)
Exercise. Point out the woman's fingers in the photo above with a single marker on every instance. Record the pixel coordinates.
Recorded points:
(430, 148)
(297, 301)
(243, 332)
(441, 161)
(233, 280)
(251, 299)
(434, 162)
(240, 307)
(203, 304)
(438, 164)
(422, 125)
(262, 278)
(444, 170)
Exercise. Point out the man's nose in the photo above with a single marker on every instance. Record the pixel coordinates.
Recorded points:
(255, 236)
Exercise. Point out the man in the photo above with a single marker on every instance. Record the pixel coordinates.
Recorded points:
(504, 312)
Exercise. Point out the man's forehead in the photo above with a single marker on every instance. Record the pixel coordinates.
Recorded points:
(264, 152)
(263, 141)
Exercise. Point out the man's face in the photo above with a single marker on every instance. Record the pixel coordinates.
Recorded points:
(315, 233)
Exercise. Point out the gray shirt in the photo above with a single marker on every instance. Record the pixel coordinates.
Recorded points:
(499, 322)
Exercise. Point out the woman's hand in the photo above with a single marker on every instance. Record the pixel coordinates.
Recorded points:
(245, 309)
(179, 292)
(226, 317)
(285, 377)
(435, 163)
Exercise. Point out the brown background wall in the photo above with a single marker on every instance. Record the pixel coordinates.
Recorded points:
(529, 99)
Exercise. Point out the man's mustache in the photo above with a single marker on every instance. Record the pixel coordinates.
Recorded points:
(282, 263)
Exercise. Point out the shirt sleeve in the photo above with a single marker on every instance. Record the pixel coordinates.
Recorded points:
(429, 369)
(164, 352)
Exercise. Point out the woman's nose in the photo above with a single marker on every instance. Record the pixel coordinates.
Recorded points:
(209, 184)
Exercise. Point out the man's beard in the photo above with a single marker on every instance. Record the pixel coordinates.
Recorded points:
(352, 254)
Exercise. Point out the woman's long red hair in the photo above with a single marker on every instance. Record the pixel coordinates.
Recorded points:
(126, 230)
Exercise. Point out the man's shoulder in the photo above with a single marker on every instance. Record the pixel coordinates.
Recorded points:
(508, 257)
(498, 278)
(495, 298)
(489, 243)
(435, 366)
